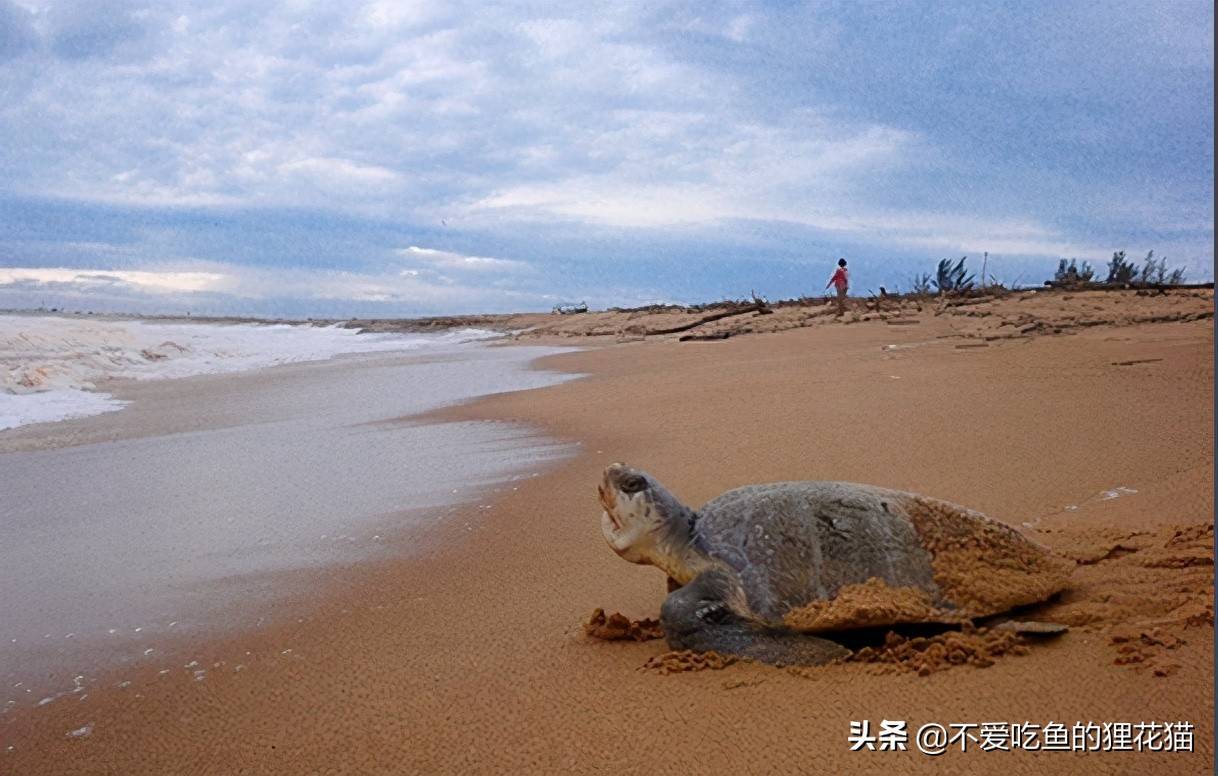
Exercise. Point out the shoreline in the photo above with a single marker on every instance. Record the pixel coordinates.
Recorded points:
(500, 611)
(58, 368)
(97, 554)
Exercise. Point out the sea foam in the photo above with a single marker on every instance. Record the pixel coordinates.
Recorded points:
(53, 368)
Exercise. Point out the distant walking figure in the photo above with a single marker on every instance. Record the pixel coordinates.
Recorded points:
(841, 280)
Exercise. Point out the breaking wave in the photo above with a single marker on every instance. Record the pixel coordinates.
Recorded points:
(54, 368)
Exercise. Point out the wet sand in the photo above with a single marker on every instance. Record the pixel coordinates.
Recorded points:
(470, 656)
(171, 519)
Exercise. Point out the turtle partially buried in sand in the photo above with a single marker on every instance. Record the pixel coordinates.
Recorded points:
(756, 570)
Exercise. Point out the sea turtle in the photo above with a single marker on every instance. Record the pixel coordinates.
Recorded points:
(756, 570)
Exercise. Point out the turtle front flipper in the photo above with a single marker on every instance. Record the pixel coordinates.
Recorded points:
(706, 616)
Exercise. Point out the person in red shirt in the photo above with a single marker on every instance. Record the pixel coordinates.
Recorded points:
(840, 280)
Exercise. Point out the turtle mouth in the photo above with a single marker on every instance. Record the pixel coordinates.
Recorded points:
(609, 502)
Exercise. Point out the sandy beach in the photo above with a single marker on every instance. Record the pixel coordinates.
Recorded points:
(1083, 420)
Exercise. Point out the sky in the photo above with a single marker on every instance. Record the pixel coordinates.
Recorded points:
(410, 158)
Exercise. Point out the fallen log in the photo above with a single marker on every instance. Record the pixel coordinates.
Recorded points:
(752, 308)
(719, 335)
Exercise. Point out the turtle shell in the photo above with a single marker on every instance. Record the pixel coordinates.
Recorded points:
(824, 556)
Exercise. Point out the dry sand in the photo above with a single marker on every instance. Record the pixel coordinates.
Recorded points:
(471, 657)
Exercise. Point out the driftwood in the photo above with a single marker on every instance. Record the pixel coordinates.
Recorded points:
(759, 306)
(949, 301)
(753, 308)
(719, 335)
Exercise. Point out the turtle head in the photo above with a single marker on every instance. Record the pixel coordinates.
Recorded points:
(643, 522)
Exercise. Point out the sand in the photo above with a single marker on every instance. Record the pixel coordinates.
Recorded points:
(867, 604)
(619, 627)
(979, 566)
(684, 660)
(972, 321)
(472, 657)
(187, 516)
(978, 647)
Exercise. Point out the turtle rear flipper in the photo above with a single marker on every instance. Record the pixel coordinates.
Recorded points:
(702, 616)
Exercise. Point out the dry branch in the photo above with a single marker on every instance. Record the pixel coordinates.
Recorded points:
(720, 335)
(758, 307)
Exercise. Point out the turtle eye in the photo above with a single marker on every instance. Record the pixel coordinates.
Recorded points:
(713, 611)
(633, 484)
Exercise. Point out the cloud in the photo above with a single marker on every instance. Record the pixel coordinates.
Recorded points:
(228, 287)
(457, 261)
(92, 29)
(411, 111)
(574, 139)
(161, 282)
(17, 34)
(339, 171)
(679, 168)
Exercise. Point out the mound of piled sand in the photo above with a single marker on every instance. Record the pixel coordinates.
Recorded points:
(924, 655)
(619, 627)
(867, 604)
(687, 660)
(1149, 592)
(980, 565)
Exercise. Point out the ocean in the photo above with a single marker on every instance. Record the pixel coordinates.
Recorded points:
(187, 464)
